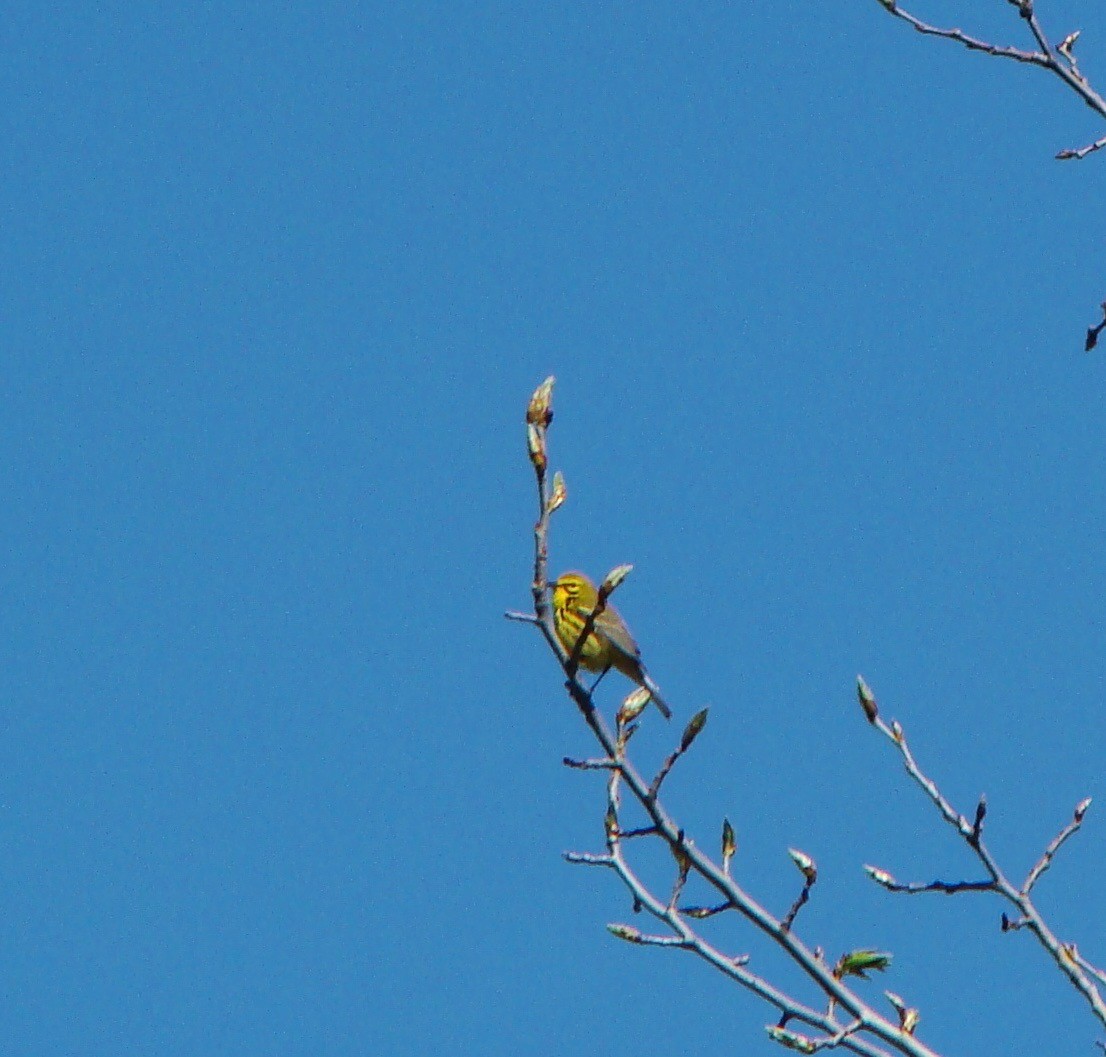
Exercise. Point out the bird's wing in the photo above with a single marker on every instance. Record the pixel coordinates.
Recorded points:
(619, 634)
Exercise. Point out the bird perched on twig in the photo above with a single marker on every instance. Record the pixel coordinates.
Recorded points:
(610, 644)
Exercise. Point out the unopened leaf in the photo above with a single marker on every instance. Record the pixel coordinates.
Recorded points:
(729, 841)
(693, 729)
(539, 412)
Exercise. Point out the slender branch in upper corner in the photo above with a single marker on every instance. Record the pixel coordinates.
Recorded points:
(1058, 59)
(1036, 58)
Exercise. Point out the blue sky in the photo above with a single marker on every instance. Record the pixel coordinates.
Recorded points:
(276, 777)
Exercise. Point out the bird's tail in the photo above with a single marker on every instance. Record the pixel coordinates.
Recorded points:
(655, 690)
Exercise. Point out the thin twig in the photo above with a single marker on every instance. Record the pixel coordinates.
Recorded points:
(701, 913)
(1045, 860)
(1070, 154)
(662, 774)
(583, 858)
(1097, 973)
(971, 43)
(789, 917)
(641, 831)
(839, 1037)
(522, 618)
(691, 732)
(589, 765)
(884, 880)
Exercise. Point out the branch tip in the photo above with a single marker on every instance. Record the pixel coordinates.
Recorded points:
(881, 877)
(612, 580)
(693, 729)
(807, 867)
(867, 699)
(791, 1040)
(539, 411)
(729, 845)
(980, 815)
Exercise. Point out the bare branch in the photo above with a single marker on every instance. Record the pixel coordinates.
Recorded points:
(632, 935)
(583, 858)
(1029, 916)
(1078, 155)
(589, 765)
(1045, 860)
(1058, 60)
(971, 43)
(691, 732)
(789, 917)
(839, 1037)
(684, 937)
(642, 831)
(522, 618)
(885, 880)
(810, 874)
(1097, 973)
(700, 913)
(794, 1040)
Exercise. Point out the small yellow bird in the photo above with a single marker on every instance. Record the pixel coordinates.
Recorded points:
(610, 644)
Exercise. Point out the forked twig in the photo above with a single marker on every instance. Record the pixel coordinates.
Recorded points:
(1080, 973)
(1058, 60)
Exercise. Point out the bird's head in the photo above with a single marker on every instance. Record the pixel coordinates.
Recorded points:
(574, 589)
